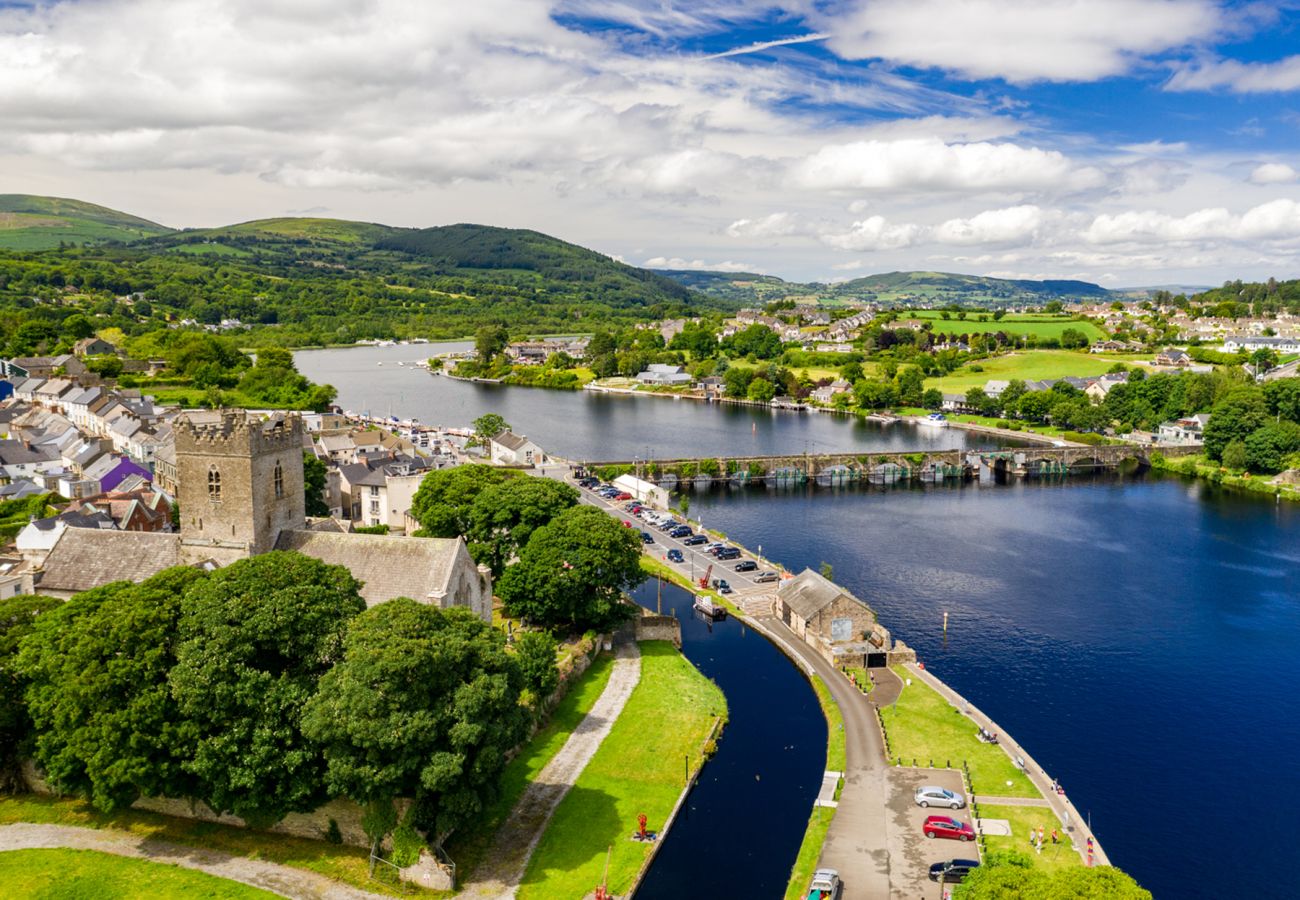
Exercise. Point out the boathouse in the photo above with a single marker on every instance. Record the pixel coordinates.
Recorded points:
(834, 622)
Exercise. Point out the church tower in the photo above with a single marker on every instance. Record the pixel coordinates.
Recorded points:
(240, 484)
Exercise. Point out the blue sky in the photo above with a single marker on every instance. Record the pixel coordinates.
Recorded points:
(1120, 141)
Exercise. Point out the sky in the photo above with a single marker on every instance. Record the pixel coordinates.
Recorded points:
(1127, 142)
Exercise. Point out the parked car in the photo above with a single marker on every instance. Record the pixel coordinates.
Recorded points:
(952, 871)
(825, 885)
(747, 566)
(931, 795)
(721, 585)
(695, 540)
(647, 537)
(681, 531)
(947, 827)
(622, 495)
(669, 525)
(713, 548)
(766, 577)
(728, 553)
(675, 555)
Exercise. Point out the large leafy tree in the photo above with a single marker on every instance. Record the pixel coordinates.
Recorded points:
(1233, 419)
(105, 722)
(313, 484)
(17, 619)
(425, 704)
(256, 637)
(1267, 448)
(573, 572)
(488, 426)
(1012, 876)
(445, 497)
(503, 516)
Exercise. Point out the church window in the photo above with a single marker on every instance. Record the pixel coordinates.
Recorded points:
(279, 481)
(214, 484)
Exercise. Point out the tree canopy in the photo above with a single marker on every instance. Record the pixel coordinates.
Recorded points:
(1012, 876)
(445, 497)
(504, 515)
(17, 619)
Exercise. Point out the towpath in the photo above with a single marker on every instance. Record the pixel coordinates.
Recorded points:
(504, 865)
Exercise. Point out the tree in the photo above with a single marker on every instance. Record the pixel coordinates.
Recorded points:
(488, 426)
(761, 390)
(1263, 359)
(573, 572)
(756, 340)
(1072, 339)
(489, 342)
(911, 385)
(932, 398)
(1268, 447)
(17, 619)
(424, 704)
(106, 724)
(736, 380)
(976, 398)
(535, 651)
(1235, 456)
(503, 516)
(827, 571)
(445, 497)
(313, 484)
(1234, 417)
(1282, 398)
(1054, 306)
(1009, 875)
(77, 326)
(256, 637)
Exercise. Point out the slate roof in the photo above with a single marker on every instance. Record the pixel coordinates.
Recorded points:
(387, 566)
(14, 453)
(510, 440)
(808, 593)
(359, 474)
(86, 558)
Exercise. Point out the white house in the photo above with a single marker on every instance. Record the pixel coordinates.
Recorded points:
(1235, 342)
(1185, 432)
(510, 449)
(658, 373)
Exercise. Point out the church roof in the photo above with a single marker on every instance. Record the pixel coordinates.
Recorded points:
(86, 558)
(387, 566)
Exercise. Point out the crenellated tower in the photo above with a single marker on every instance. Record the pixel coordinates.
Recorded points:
(240, 484)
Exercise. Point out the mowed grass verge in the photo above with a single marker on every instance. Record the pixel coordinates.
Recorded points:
(924, 727)
(639, 768)
(349, 865)
(90, 875)
(467, 846)
(1021, 819)
(1031, 365)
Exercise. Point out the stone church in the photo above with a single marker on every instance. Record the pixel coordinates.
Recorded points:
(240, 492)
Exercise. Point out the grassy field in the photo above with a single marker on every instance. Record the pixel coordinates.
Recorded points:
(90, 875)
(922, 725)
(1037, 324)
(468, 845)
(1022, 818)
(346, 864)
(640, 768)
(1031, 365)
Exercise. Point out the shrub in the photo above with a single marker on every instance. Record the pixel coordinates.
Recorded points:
(407, 845)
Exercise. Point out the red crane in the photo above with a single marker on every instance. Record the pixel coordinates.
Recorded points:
(704, 582)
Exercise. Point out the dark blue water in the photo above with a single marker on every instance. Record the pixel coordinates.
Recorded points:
(587, 426)
(740, 830)
(1139, 637)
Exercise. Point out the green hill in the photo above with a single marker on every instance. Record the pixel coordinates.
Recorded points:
(40, 223)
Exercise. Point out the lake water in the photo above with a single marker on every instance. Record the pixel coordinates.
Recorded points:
(1137, 635)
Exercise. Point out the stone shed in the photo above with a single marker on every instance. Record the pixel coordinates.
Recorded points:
(828, 617)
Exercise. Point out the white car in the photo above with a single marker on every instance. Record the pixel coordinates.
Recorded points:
(930, 795)
(825, 885)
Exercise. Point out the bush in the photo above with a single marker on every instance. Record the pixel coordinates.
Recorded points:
(1235, 457)
(1081, 437)
(407, 845)
(332, 834)
(372, 529)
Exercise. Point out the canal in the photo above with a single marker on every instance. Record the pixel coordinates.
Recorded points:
(740, 830)
(1137, 635)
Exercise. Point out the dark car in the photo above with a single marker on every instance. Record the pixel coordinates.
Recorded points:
(952, 871)
(728, 553)
(747, 566)
(681, 531)
(647, 537)
(675, 555)
(721, 586)
(948, 827)
(695, 540)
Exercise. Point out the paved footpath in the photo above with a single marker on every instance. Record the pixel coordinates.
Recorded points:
(503, 867)
(282, 880)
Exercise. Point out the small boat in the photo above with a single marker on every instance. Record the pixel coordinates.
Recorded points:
(709, 608)
(882, 419)
(934, 420)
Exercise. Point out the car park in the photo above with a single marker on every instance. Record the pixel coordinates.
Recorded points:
(675, 555)
(932, 795)
(669, 525)
(952, 871)
(947, 827)
(721, 586)
(695, 540)
(747, 566)
(714, 548)
(622, 495)
(766, 577)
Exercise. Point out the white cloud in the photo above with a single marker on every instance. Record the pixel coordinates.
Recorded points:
(931, 164)
(1275, 220)
(875, 233)
(781, 224)
(1018, 40)
(1244, 78)
(1016, 224)
(697, 265)
(1273, 173)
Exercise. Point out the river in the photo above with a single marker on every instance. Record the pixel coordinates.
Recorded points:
(1136, 634)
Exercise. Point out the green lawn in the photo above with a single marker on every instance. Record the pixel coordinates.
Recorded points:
(809, 852)
(1031, 365)
(342, 863)
(1022, 818)
(90, 875)
(467, 846)
(923, 726)
(1038, 324)
(640, 768)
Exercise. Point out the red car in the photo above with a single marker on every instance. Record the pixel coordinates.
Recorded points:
(947, 827)
(623, 496)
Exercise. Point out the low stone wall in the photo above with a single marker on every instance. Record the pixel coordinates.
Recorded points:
(659, 628)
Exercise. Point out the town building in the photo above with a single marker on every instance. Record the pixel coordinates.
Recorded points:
(1233, 343)
(1186, 432)
(832, 621)
(510, 449)
(661, 374)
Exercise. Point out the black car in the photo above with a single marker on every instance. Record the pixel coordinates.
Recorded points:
(747, 566)
(647, 537)
(681, 531)
(675, 555)
(728, 553)
(952, 871)
(695, 540)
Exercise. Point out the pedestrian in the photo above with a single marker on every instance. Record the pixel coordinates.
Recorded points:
(1032, 835)
(1055, 837)
(1040, 835)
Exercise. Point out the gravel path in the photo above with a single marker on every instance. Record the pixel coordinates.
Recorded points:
(282, 880)
(503, 868)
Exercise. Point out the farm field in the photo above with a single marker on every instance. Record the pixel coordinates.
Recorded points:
(1032, 365)
(1041, 325)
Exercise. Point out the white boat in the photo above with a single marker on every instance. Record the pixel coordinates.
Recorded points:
(934, 420)
(709, 608)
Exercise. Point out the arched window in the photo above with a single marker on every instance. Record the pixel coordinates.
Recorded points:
(279, 481)
(214, 484)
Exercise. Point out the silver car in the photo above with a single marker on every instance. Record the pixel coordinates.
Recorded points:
(930, 795)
